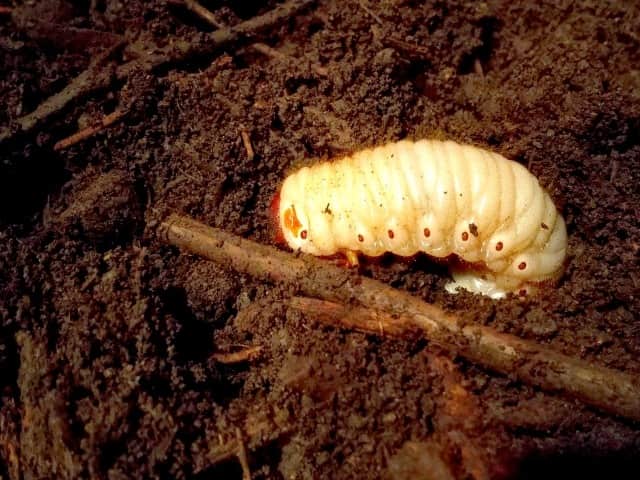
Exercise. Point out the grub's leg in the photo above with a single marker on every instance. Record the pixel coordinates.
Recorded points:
(351, 258)
(474, 282)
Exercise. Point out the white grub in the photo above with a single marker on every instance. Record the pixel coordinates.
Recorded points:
(436, 197)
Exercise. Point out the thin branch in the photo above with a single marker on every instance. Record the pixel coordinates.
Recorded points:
(199, 10)
(383, 308)
(62, 35)
(263, 48)
(271, 52)
(614, 170)
(242, 456)
(88, 132)
(174, 52)
(181, 50)
(95, 77)
(240, 356)
(246, 141)
(370, 12)
(410, 50)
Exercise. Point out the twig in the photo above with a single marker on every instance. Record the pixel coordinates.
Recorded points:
(244, 355)
(62, 35)
(85, 133)
(357, 318)
(180, 51)
(269, 51)
(199, 10)
(401, 314)
(610, 390)
(370, 12)
(93, 79)
(411, 50)
(614, 170)
(247, 143)
(263, 48)
(242, 456)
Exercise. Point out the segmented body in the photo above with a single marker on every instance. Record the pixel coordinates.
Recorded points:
(437, 197)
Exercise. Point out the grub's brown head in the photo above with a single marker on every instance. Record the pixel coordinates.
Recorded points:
(290, 223)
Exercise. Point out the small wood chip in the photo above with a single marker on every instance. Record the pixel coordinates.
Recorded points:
(240, 356)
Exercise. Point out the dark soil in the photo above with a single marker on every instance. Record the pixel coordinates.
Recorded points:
(107, 336)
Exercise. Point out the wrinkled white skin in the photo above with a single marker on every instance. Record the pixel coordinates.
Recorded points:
(476, 204)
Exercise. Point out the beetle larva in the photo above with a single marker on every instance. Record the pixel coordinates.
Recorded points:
(437, 197)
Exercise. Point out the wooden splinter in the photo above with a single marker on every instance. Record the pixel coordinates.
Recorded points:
(89, 131)
(240, 356)
(380, 308)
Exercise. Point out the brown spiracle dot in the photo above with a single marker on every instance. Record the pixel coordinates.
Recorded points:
(499, 246)
(391, 234)
(303, 234)
(465, 236)
(544, 225)
(360, 238)
(522, 265)
(427, 232)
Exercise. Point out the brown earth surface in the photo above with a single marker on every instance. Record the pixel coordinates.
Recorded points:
(110, 341)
